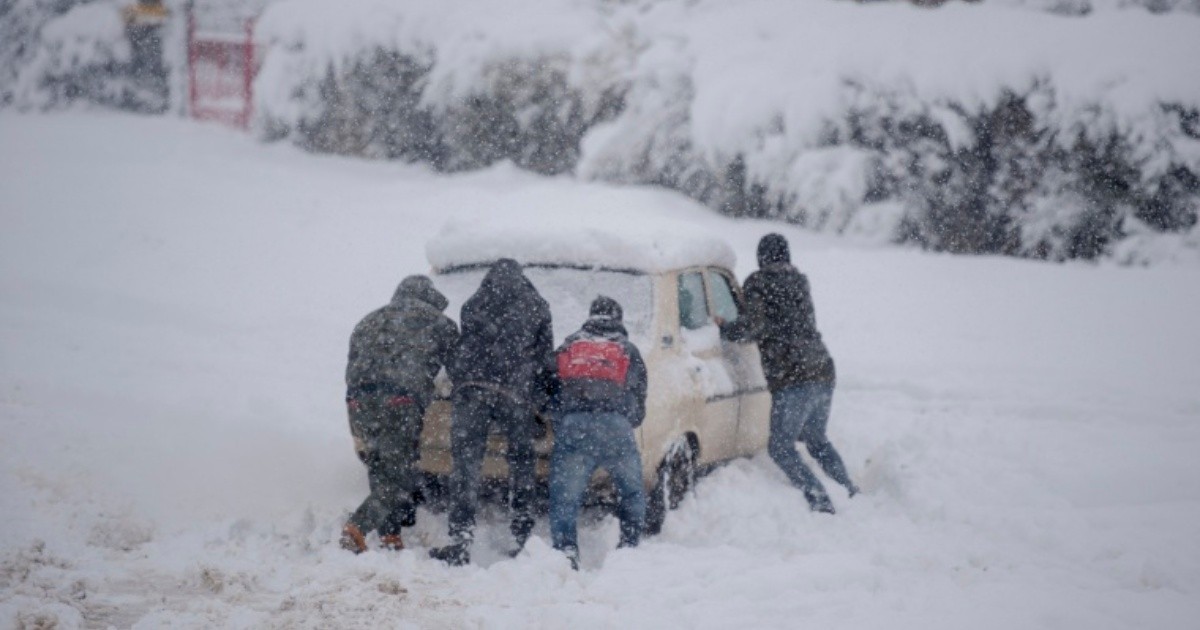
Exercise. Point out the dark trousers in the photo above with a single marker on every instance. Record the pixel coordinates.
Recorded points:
(390, 427)
(477, 412)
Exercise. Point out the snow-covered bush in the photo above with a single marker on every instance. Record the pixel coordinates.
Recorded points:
(999, 130)
(73, 51)
(78, 56)
(457, 84)
(1083, 7)
(21, 22)
(978, 128)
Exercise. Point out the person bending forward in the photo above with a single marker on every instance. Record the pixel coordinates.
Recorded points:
(599, 401)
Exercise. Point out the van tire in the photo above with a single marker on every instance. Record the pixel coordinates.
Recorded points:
(676, 476)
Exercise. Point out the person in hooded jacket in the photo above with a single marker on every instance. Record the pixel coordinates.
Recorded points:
(395, 353)
(498, 371)
(599, 399)
(800, 374)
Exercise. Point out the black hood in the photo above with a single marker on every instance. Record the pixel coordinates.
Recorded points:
(504, 276)
(420, 288)
(773, 249)
(504, 293)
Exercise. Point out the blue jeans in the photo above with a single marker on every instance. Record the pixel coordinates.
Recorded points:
(801, 413)
(584, 442)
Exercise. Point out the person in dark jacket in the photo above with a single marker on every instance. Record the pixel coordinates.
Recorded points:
(779, 315)
(395, 353)
(599, 399)
(498, 371)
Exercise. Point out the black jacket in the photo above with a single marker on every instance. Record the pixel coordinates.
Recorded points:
(506, 340)
(779, 315)
(588, 395)
(398, 349)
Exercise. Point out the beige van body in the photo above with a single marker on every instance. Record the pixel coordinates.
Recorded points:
(705, 395)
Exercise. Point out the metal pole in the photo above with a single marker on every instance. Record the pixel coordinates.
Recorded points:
(191, 58)
(248, 74)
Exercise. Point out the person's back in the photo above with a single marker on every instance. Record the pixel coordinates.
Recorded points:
(402, 345)
(779, 315)
(779, 299)
(600, 371)
(506, 334)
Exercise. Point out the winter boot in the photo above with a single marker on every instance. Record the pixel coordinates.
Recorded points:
(408, 515)
(455, 555)
(853, 490)
(353, 539)
(518, 544)
(521, 528)
(391, 542)
(631, 535)
(572, 554)
(818, 501)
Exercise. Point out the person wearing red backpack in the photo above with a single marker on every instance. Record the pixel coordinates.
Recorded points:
(599, 399)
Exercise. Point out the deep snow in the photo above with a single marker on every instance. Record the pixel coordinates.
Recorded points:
(175, 302)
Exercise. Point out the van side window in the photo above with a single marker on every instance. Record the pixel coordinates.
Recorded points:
(725, 304)
(693, 308)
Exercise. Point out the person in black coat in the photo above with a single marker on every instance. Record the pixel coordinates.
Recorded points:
(395, 353)
(779, 315)
(498, 370)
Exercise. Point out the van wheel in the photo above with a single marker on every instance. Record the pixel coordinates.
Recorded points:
(676, 475)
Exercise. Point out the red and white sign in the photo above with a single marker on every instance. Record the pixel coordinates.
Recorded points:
(221, 70)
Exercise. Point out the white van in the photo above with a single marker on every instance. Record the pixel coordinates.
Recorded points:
(707, 399)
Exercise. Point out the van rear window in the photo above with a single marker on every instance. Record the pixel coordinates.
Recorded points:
(570, 292)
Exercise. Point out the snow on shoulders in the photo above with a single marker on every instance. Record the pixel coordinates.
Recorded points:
(618, 238)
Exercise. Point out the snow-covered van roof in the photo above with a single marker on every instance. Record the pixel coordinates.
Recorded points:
(642, 244)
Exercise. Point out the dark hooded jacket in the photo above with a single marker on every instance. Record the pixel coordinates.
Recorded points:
(507, 343)
(399, 348)
(589, 395)
(779, 315)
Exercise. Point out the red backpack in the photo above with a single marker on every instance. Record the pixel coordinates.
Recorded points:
(597, 359)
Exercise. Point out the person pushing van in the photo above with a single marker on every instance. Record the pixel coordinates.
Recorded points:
(498, 371)
(799, 369)
(599, 399)
(395, 353)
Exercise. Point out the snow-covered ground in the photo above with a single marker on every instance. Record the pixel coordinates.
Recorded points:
(175, 302)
